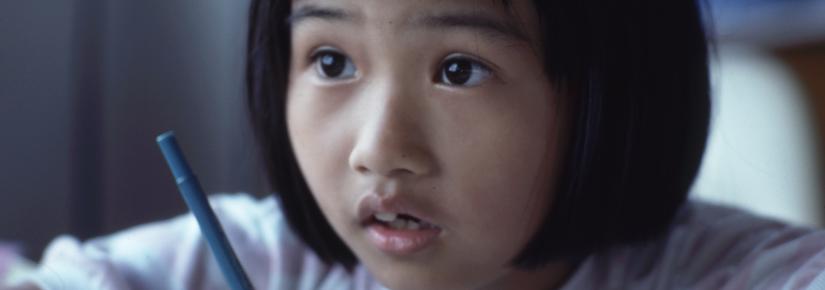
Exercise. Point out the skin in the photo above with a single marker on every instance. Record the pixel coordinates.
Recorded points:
(477, 159)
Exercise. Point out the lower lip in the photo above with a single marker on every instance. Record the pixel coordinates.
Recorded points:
(401, 241)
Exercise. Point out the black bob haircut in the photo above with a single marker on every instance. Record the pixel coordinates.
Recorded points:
(634, 76)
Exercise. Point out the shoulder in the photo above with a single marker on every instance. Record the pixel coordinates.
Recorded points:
(273, 255)
(172, 254)
(252, 220)
(714, 247)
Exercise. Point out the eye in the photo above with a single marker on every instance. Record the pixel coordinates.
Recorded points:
(463, 71)
(331, 64)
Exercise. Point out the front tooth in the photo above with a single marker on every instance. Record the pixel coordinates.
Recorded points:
(398, 224)
(412, 225)
(386, 216)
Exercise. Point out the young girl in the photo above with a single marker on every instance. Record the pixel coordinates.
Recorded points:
(468, 144)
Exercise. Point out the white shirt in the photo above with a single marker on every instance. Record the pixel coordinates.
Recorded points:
(707, 247)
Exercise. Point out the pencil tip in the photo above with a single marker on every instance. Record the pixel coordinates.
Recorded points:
(165, 135)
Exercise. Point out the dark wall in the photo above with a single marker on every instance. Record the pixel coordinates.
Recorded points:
(85, 86)
(35, 99)
(173, 65)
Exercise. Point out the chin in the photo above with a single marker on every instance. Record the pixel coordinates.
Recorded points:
(398, 279)
(415, 284)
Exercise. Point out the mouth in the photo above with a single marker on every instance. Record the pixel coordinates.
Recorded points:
(400, 221)
(396, 228)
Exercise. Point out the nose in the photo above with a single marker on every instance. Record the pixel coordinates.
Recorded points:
(392, 140)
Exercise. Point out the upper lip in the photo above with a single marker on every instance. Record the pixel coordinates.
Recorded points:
(373, 203)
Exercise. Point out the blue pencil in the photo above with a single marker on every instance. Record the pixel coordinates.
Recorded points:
(196, 200)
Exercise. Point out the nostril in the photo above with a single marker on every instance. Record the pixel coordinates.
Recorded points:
(389, 159)
(361, 169)
(384, 165)
(397, 172)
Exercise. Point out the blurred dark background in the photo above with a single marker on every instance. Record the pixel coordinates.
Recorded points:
(85, 86)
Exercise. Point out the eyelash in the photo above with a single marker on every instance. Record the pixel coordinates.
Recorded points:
(316, 61)
(465, 67)
(476, 66)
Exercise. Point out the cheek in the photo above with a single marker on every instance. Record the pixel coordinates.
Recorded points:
(318, 127)
(319, 142)
(502, 173)
(508, 192)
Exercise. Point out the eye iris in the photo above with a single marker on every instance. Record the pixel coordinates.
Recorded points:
(332, 64)
(458, 71)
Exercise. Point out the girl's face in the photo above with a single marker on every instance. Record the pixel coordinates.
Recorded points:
(434, 109)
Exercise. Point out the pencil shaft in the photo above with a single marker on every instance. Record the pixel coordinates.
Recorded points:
(197, 202)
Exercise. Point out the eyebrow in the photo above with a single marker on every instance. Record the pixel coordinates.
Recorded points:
(470, 21)
(307, 12)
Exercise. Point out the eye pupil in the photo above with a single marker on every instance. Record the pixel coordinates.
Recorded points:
(458, 71)
(332, 64)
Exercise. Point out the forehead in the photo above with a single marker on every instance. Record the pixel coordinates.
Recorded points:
(514, 19)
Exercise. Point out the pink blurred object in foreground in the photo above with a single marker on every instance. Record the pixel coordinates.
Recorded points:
(9, 254)
(12, 265)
